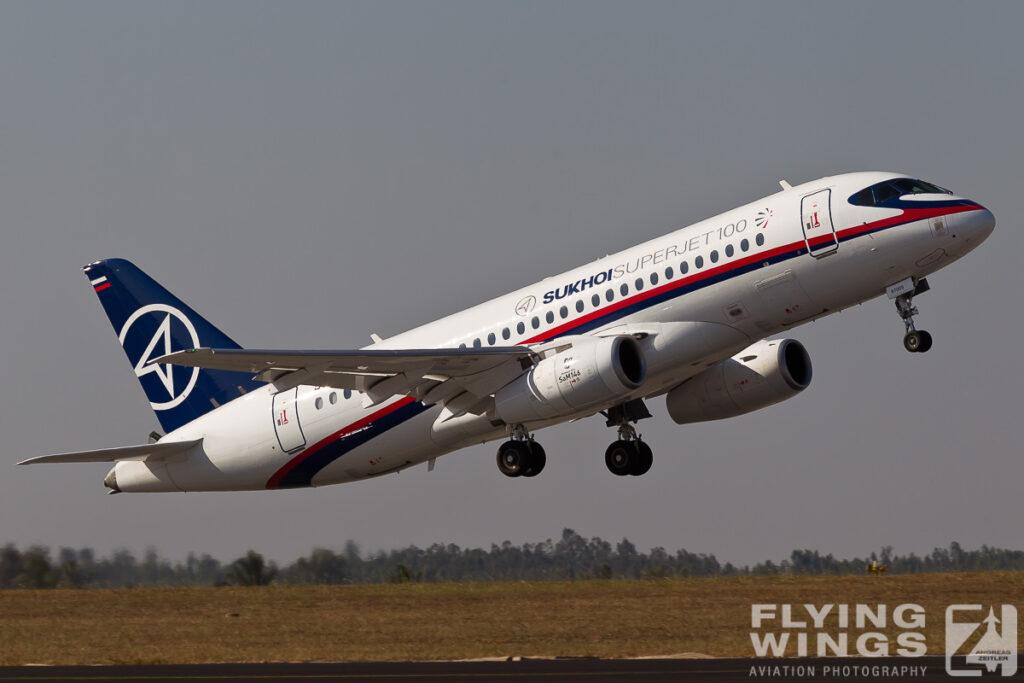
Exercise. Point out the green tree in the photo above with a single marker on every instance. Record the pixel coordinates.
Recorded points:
(12, 565)
(403, 574)
(38, 571)
(251, 570)
(322, 567)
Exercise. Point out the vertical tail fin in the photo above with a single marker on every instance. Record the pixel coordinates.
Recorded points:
(150, 322)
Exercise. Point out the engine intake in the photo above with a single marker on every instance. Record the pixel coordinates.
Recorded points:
(592, 372)
(761, 375)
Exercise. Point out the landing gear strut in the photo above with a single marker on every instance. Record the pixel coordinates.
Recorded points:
(521, 456)
(915, 341)
(629, 455)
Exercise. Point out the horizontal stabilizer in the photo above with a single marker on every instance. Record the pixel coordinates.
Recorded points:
(149, 452)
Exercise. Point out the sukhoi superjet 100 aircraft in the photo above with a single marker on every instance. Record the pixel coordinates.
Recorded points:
(686, 316)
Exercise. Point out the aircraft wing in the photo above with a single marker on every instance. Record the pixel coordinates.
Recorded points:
(149, 452)
(463, 380)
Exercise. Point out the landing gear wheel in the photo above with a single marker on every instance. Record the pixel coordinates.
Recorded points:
(917, 341)
(926, 341)
(644, 459)
(620, 457)
(536, 461)
(513, 458)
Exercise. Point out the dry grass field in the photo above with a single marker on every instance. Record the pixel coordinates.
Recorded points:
(445, 621)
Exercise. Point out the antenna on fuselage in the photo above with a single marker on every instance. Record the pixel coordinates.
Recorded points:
(785, 185)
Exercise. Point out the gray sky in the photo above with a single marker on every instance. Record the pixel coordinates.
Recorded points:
(305, 174)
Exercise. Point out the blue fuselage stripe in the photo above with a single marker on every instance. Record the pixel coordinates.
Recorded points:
(302, 474)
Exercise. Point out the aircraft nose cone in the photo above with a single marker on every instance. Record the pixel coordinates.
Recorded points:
(986, 223)
(978, 225)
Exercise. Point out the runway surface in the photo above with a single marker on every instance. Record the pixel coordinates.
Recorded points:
(810, 669)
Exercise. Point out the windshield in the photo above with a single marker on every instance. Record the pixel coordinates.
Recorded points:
(881, 193)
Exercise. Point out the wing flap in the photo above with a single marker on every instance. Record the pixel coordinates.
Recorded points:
(449, 362)
(149, 452)
(380, 373)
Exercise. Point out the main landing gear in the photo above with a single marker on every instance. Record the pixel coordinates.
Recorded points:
(521, 456)
(915, 341)
(629, 455)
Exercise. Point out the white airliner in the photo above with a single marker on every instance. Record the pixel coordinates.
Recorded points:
(685, 315)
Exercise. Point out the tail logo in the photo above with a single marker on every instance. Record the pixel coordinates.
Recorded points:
(147, 335)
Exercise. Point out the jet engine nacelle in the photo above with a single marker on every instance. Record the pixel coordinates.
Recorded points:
(759, 376)
(593, 371)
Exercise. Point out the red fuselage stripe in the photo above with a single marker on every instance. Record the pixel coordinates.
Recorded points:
(344, 431)
(908, 216)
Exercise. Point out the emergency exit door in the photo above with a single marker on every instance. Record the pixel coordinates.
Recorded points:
(286, 421)
(816, 218)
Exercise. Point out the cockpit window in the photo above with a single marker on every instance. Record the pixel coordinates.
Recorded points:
(863, 198)
(908, 186)
(885, 191)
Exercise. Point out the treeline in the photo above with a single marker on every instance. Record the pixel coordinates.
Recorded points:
(571, 557)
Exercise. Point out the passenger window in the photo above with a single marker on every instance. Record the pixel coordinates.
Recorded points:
(624, 289)
(462, 346)
(639, 284)
(579, 306)
(744, 245)
(550, 317)
(319, 402)
(759, 239)
(609, 295)
(564, 312)
(347, 393)
(520, 328)
(506, 333)
(476, 343)
(714, 256)
(536, 322)
(684, 268)
(729, 251)
(595, 300)
(333, 398)
(491, 339)
(698, 262)
(654, 279)
(669, 273)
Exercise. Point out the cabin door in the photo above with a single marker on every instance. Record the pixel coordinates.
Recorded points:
(816, 218)
(286, 421)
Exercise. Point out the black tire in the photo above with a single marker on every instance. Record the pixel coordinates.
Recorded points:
(644, 460)
(926, 341)
(538, 458)
(620, 457)
(512, 457)
(912, 341)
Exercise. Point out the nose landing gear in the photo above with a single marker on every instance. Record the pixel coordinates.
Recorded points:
(915, 341)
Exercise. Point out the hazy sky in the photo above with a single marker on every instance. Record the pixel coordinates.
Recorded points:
(305, 174)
